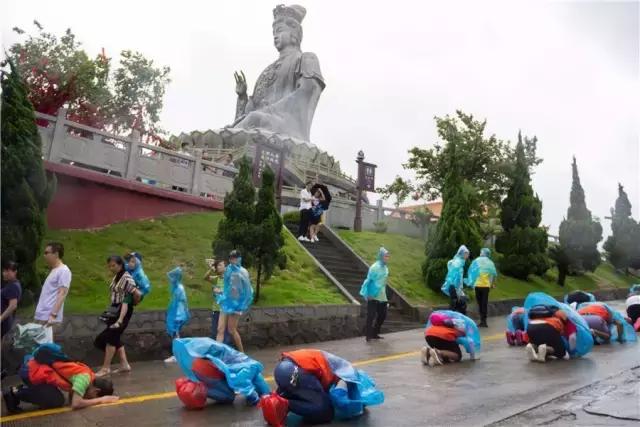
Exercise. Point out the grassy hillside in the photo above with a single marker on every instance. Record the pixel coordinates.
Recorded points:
(407, 255)
(170, 241)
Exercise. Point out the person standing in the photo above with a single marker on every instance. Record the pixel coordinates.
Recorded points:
(454, 281)
(234, 300)
(121, 287)
(178, 311)
(374, 291)
(305, 212)
(482, 276)
(10, 295)
(56, 286)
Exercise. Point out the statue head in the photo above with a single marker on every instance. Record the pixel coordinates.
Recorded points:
(287, 26)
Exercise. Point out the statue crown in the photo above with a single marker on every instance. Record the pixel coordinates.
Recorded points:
(295, 12)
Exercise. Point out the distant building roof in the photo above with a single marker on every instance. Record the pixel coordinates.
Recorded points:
(407, 211)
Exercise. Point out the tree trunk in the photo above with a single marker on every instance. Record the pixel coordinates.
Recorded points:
(258, 280)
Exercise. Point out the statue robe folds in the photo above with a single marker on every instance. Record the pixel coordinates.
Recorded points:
(285, 97)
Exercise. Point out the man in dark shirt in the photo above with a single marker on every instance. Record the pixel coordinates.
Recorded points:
(10, 295)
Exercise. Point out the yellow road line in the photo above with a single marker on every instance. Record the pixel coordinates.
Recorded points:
(170, 394)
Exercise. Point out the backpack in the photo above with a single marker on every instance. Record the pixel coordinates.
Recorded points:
(47, 354)
(542, 311)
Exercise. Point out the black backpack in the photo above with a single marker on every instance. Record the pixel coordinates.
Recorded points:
(542, 311)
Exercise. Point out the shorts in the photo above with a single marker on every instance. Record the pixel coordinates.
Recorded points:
(441, 344)
(315, 220)
(544, 333)
(596, 323)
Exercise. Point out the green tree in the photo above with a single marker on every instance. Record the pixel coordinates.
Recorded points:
(485, 161)
(26, 191)
(623, 246)
(400, 189)
(59, 73)
(579, 232)
(523, 243)
(457, 225)
(268, 230)
(237, 230)
(561, 260)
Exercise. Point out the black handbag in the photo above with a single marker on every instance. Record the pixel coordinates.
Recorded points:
(110, 315)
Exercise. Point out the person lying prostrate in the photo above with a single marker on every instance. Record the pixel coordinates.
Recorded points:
(516, 332)
(579, 297)
(633, 307)
(617, 327)
(445, 331)
(318, 386)
(216, 371)
(546, 328)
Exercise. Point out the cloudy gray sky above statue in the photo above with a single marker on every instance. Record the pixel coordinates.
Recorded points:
(566, 72)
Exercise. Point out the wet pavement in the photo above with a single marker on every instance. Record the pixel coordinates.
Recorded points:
(502, 387)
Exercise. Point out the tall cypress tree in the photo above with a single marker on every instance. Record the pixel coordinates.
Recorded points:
(236, 229)
(26, 191)
(579, 233)
(268, 230)
(456, 225)
(623, 246)
(522, 242)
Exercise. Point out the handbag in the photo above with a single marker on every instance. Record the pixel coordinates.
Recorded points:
(110, 315)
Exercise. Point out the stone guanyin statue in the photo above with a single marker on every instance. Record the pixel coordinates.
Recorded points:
(286, 93)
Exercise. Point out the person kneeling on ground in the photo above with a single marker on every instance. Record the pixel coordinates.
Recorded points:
(216, 371)
(576, 298)
(446, 330)
(47, 373)
(516, 332)
(633, 307)
(606, 323)
(318, 386)
(554, 329)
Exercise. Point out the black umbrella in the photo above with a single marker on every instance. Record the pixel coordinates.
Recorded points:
(325, 191)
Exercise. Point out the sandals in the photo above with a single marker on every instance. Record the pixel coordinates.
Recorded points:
(103, 373)
(122, 370)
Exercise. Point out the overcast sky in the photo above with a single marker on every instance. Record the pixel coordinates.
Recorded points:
(567, 72)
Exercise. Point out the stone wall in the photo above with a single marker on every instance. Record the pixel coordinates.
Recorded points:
(146, 339)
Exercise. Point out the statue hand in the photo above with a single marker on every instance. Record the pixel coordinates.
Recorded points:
(241, 83)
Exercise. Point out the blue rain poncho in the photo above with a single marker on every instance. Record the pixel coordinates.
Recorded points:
(515, 320)
(482, 269)
(471, 339)
(455, 273)
(584, 339)
(237, 293)
(243, 374)
(142, 281)
(628, 333)
(178, 312)
(374, 285)
(634, 289)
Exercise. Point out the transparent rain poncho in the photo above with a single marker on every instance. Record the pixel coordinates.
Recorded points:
(455, 273)
(142, 281)
(237, 294)
(242, 373)
(628, 333)
(376, 277)
(515, 319)
(178, 311)
(361, 389)
(584, 339)
(471, 339)
(482, 268)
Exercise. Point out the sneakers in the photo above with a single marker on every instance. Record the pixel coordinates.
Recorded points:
(531, 352)
(424, 356)
(303, 239)
(510, 338)
(171, 359)
(11, 402)
(315, 239)
(542, 353)
(434, 357)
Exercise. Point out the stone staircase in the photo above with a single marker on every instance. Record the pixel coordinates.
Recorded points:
(350, 272)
